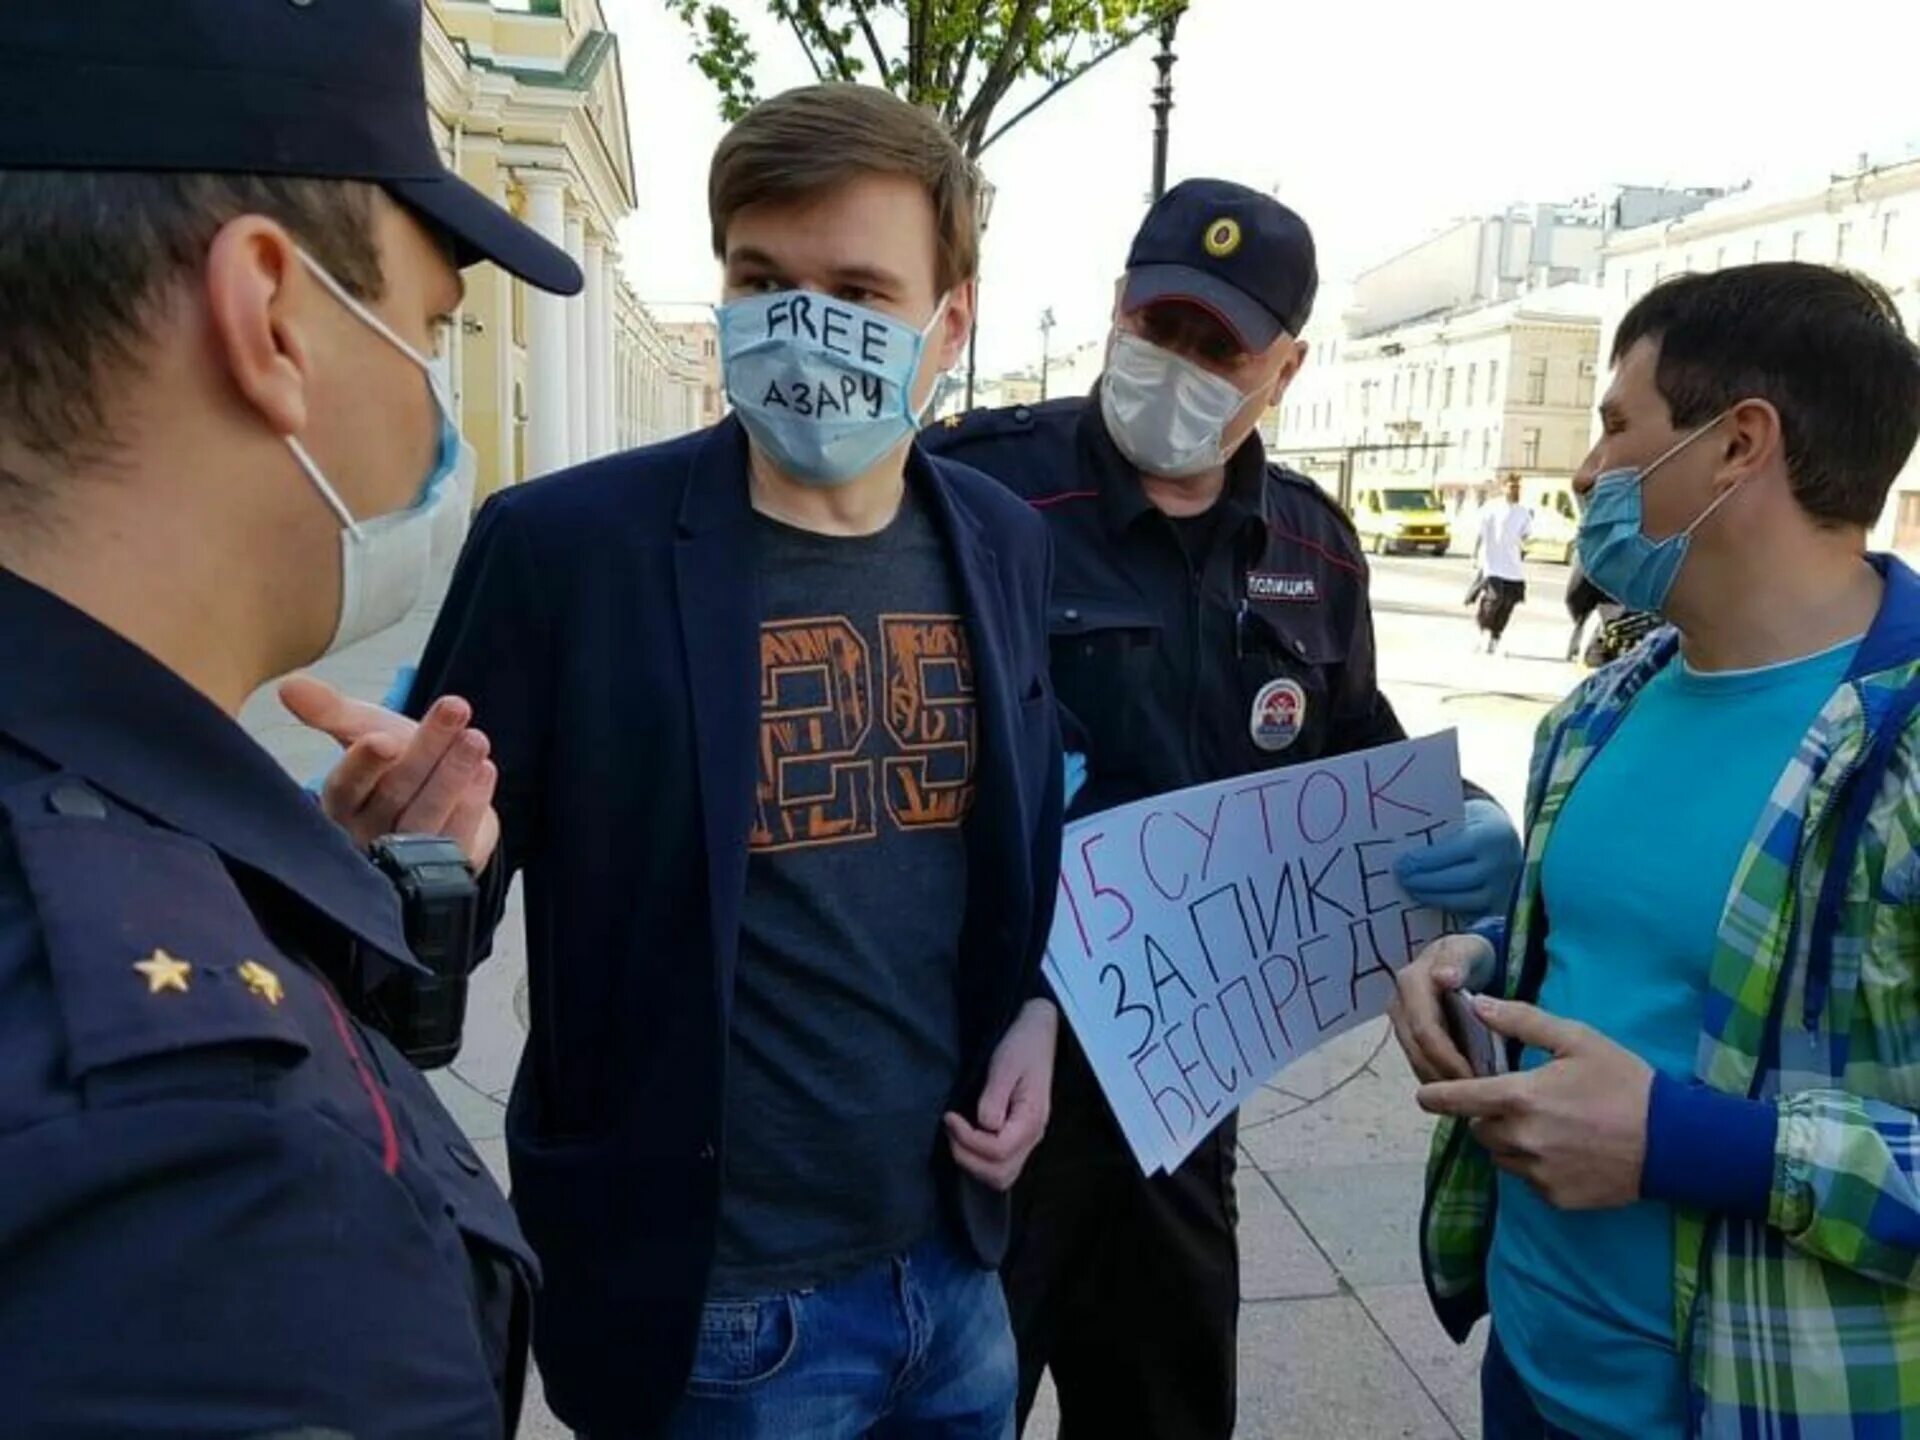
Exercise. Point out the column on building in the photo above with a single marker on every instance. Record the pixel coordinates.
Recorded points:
(616, 428)
(599, 344)
(610, 331)
(631, 401)
(577, 448)
(548, 446)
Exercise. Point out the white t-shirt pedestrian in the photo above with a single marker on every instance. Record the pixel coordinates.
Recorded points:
(1503, 527)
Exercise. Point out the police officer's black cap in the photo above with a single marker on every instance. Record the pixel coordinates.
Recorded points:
(324, 89)
(1240, 255)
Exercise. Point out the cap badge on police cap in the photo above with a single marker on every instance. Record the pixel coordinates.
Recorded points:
(1223, 237)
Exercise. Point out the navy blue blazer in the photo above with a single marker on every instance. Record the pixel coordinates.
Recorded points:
(604, 623)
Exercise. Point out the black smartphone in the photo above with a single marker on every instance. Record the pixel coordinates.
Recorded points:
(1486, 1052)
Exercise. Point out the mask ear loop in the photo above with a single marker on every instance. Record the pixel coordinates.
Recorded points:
(1682, 443)
(386, 332)
(327, 492)
(917, 413)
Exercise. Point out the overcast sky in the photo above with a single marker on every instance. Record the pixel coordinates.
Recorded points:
(1377, 120)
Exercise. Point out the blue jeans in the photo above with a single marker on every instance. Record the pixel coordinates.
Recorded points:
(1507, 1411)
(919, 1345)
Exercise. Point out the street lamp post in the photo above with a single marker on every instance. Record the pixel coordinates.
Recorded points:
(1163, 101)
(1046, 337)
(985, 203)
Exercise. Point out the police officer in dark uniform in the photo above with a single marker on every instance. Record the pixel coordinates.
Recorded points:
(228, 1205)
(1209, 619)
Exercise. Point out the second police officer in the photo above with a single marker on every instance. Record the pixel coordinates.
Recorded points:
(1209, 619)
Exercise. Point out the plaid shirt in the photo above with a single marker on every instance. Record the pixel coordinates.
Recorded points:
(1807, 1325)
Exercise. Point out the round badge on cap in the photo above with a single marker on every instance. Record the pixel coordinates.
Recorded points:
(1279, 715)
(1223, 238)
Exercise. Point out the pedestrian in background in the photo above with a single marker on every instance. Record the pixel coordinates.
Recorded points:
(228, 1207)
(1499, 551)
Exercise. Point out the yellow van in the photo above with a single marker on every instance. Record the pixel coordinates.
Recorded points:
(1392, 518)
(1556, 520)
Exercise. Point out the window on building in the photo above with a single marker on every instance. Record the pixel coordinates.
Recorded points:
(1799, 244)
(1429, 387)
(1626, 283)
(1842, 237)
(1493, 384)
(1720, 258)
(1886, 230)
(1446, 390)
(1473, 384)
(1486, 448)
(1659, 269)
(1537, 380)
(1530, 448)
(1906, 521)
(1393, 399)
(1759, 248)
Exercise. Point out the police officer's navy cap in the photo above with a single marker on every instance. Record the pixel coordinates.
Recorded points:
(326, 89)
(1236, 253)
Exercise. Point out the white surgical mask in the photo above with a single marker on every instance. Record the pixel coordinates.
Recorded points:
(387, 563)
(1167, 415)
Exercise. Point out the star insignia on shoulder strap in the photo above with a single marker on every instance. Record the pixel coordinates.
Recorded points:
(262, 982)
(163, 972)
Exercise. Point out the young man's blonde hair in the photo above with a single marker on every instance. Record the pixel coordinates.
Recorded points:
(811, 140)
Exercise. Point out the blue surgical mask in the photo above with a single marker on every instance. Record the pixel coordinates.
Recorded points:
(1614, 548)
(825, 388)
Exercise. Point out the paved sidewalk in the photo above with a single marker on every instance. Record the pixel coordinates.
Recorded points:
(1336, 1339)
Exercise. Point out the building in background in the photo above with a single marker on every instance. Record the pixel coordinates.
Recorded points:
(1071, 373)
(1478, 262)
(528, 106)
(694, 330)
(1490, 258)
(1469, 356)
(1451, 402)
(1866, 220)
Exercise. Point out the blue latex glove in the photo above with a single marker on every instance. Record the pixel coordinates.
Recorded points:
(1076, 776)
(1470, 875)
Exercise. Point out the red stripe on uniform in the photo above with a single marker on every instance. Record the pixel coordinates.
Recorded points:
(389, 1137)
(1318, 549)
(1047, 502)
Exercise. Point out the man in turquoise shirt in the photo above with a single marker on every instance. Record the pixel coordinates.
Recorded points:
(1585, 1298)
(1755, 424)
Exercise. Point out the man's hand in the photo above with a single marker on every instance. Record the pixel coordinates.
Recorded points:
(1016, 1103)
(403, 777)
(1575, 1128)
(1419, 1022)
